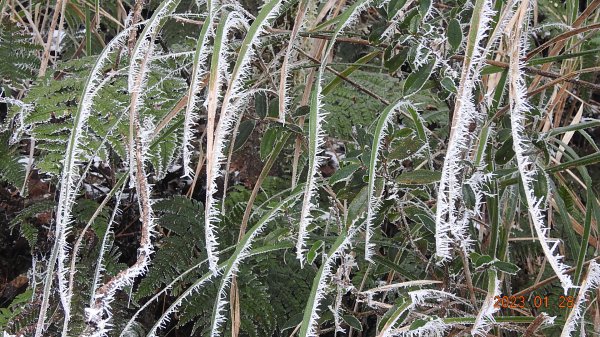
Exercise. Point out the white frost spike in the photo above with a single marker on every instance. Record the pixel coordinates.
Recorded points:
(309, 329)
(518, 108)
(229, 114)
(485, 317)
(374, 202)
(591, 282)
(316, 133)
(465, 114)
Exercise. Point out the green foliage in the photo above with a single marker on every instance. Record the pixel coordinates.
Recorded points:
(26, 223)
(16, 316)
(181, 246)
(348, 107)
(461, 166)
(20, 61)
(11, 170)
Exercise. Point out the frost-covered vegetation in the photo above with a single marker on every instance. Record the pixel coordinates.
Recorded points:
(299, 168)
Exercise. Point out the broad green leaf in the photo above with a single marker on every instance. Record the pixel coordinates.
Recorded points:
(506, 267)
(313, 252)
(415, 81)
(244, 131)
(344, 173)
(267, 143)
(353, 322)
(260, 104)
(419, 177)
(454, 34)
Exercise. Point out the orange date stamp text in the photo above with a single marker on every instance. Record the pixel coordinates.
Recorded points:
(538, 302)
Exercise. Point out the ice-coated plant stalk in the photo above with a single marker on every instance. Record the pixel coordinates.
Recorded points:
(68, 182)
(198, 72)
(315, 129)
(229, 114)
(591, 282)
(485, 319)
(433, 328)
(232, 267)
(166, 316)
(229, 269)
(128, 327)
(98, 315)
(284, 99)
(448, 220)
(518, 109)
(218, 71)
(308, 327)
(388, 328)
(374, 202)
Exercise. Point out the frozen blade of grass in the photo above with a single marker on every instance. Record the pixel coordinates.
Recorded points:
(308, 326)
(217, 71)
(284, 99)
(374, 202)
(316, 133)
(465, 113)
(387, 329)
(485, 316)
(229, 114)
(395, 286)
(433, 328)
(195, 287)
(518, 108)
(242, 252)
(591, 282)
(99, 314)
(198, 72)
(68, 182)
